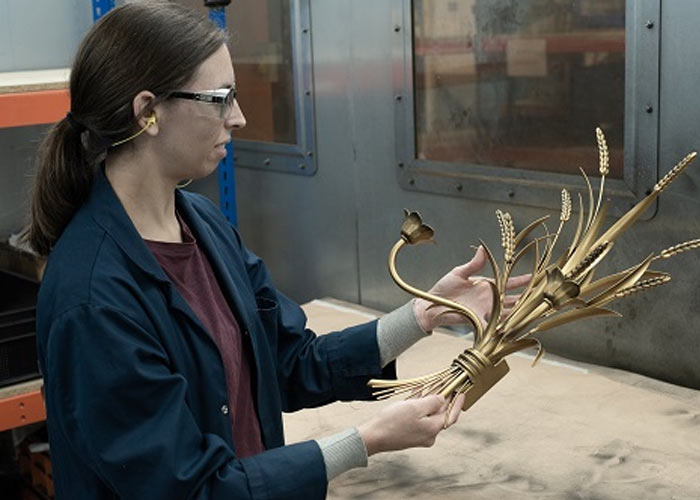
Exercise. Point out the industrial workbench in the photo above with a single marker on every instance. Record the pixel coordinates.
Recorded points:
(560, 431)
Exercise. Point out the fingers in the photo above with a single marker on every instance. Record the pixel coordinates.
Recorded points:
(430, 405)
(442, 420)
(473, 266)
(456, 410)
(510, 300)
(433, 417)
(518, 281)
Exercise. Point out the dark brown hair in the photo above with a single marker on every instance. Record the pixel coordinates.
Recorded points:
(156, 46)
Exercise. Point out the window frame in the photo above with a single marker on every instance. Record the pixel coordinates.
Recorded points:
(530, 187)
(298, 158)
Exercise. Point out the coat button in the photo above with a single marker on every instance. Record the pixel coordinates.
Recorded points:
(224, 409)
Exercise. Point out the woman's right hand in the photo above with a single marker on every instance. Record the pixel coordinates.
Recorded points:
(408, 424)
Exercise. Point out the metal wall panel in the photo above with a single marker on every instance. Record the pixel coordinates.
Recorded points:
(305, 227)
(659, 334)
(41, 34)
(329, 235)
(17, 149)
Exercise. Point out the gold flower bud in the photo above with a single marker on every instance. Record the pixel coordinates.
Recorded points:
(413, 229)
(558, 290)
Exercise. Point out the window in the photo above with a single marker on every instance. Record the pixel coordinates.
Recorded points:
(270, 42)
(262, 52)
(511, 91)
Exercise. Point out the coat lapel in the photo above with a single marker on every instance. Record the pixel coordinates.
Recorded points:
(109, 213)
(227, 272)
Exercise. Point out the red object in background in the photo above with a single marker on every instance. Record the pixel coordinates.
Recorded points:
(22, 409)
(33, 108)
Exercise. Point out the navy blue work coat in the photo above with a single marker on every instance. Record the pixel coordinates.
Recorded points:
(135, 386)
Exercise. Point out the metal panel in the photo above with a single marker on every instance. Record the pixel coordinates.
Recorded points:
(41, 35)
(290, 158)
(305, 228)
(329, 235)
(17, 149)
(508, 185)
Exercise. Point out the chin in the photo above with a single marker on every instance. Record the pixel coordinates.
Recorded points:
(209, 168)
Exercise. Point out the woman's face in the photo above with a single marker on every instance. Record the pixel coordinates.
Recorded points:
(193, 135)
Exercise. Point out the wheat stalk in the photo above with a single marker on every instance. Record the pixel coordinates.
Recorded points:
(588, 261)
(603, 154)
(675, 172)
(565, 206)
(505, 222)
(680, 248)
(642, 285)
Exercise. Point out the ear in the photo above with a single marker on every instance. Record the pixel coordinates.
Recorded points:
(147, 117)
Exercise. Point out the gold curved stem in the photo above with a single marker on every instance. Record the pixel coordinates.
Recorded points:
(471, 315)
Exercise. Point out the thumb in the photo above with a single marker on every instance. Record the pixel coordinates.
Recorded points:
(475, 265)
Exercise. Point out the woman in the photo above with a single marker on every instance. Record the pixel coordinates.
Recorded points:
(167, 353)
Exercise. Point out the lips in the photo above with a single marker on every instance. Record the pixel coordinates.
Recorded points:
(220, 149)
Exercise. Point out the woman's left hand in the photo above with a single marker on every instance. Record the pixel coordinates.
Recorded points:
(461, 286)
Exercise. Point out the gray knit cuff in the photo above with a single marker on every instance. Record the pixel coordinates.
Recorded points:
(396, 332)
(342, 452)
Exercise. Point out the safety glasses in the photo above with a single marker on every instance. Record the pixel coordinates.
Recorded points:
(225, 98)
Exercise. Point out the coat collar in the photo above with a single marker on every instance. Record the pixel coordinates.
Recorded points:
(108, 212)
(224, 269)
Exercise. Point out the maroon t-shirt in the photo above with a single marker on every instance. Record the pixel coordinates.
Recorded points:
(188, 268)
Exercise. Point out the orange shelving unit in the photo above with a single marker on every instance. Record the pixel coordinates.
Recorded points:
(21, 404)
(33, 97)
(29, 98)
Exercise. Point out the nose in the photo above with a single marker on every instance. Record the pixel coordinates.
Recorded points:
(235, 119)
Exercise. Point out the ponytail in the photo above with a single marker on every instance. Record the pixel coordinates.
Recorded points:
(63, 181)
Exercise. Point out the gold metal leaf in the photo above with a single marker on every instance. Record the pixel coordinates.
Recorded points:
(586, 244)
(528, 229)
(579, 226)
(572, 315)
(608, 281)
(496, 309)
(591, 207)
(628, 280)
(515, 346)
(590, 261)
(540, 354)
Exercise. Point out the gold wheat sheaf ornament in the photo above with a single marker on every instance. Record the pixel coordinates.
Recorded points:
(560, 291)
